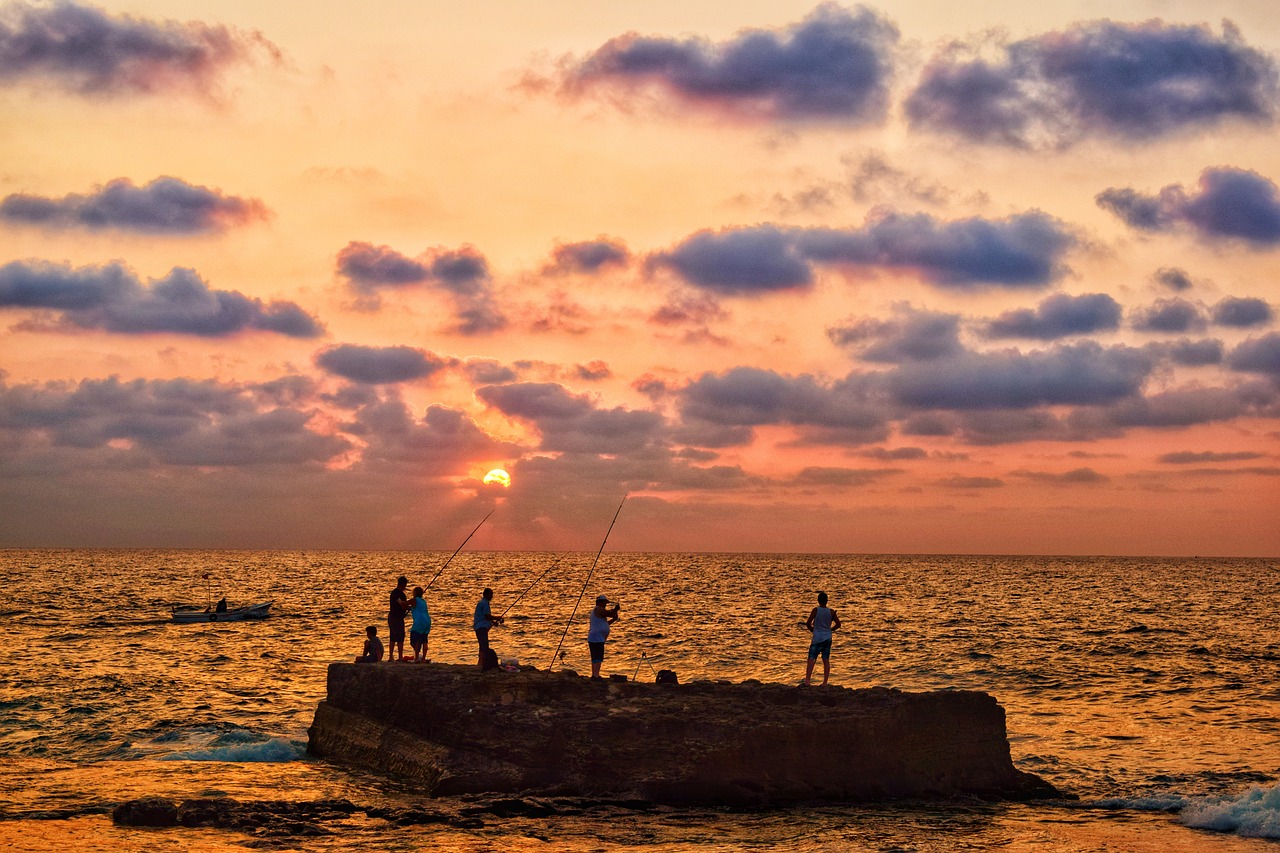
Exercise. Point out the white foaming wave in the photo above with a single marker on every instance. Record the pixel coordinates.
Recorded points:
(1255, 813)
(273, 750)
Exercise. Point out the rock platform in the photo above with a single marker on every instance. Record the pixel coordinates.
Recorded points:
(451, 729)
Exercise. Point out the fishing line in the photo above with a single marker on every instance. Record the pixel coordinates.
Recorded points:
(455, 553)
(584, 585)
(530, 586)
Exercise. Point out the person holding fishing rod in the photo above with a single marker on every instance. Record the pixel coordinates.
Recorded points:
(482, 622)
(602, 616)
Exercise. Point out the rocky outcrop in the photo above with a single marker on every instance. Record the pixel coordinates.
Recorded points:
(455, 730)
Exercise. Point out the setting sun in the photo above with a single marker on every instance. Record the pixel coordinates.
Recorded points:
(497, 475)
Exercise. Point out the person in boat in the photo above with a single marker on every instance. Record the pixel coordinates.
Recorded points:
(421, 624)
(372, 646)
(396, 613)
(822, 622)
(483, 621)
(221, 606)
(601, 617)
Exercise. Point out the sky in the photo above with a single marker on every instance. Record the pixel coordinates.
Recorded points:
(919, 277)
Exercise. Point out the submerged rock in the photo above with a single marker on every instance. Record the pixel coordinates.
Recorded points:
(452, 730)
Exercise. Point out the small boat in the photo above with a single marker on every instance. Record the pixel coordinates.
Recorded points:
(192, 613)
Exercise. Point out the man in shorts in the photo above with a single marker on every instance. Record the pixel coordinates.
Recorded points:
(822, 621)
(397, 609)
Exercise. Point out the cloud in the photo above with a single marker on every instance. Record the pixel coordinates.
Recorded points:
(589, 257)
(911, 335)
(83, 50)
(1131, 82)
(896, 454)
(380, 365)
(112, 298)
(180, 422)
(835, 65)
(1169, 315)
(971, 483)
(461, 273)
(1076, 476)
(1076, 374)
(1242, 312)
(164, 206)
(368, 267)
(1228, 204)
(1188, 457)
(445, 439)
(1192, 353)
(1180, 407)
(1058, 316)
(750, 396)
(1020, 251)
(1257, 355)
(842, 477)
(572, 423)
(1173, 278)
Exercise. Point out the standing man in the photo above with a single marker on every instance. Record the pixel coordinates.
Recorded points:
(395, 620)
(483, 621)
(822, 621)
(602, 616)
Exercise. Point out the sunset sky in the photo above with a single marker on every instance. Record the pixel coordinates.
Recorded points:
(906, 277)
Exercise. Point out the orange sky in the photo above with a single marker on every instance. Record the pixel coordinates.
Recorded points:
(795, 277)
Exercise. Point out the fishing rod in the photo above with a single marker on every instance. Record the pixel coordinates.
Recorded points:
(584, 585)
(530, 586)
(455, 553)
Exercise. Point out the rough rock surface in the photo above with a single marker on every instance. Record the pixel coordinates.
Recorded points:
(455, 730)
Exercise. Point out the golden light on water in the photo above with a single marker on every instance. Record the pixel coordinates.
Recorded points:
(497, 475)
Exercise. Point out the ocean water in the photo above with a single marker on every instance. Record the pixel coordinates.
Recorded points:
(1148, 688)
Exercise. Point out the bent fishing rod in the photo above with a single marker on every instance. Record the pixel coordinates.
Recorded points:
(584, 585)
(459, 548)
(530, 586)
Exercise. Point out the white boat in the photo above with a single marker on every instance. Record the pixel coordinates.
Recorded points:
(191, 613)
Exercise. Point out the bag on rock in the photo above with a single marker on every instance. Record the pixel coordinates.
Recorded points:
(667, 676)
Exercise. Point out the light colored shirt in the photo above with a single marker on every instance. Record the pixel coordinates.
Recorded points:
(421, 616)
(482, 619)
(822, 624)
(598, 630)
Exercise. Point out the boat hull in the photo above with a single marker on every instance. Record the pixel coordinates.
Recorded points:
(237, 614)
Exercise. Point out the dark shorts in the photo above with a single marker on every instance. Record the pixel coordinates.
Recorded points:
(823, 648)
(418, 638)
(597, 651)
(482, 637)
(395, 627)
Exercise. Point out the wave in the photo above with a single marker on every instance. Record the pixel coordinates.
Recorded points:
(1255, 813)
(273, 750)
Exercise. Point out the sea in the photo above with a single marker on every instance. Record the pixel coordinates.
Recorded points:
(1146, 689)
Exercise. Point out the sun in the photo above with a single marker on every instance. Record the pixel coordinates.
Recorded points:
(497, 475)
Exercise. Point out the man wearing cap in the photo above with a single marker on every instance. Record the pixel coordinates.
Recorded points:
(602, 616)
(395, 620)
(483, 620)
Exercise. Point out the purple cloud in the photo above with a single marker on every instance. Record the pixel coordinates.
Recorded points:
(112, 298)
(462, 273)
(1058, 316)
(1257, 355)
(380, 365)
(835, 65)
(368, 267)
(1169, 315)
(1132, 82)
(910, 335)
(749, 396)
(164, 206)
(589, 257)
(1242, 312)
(1076, 374)
(1229, 204)
(1020, 251)
(84, 50)
(1188, 457)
